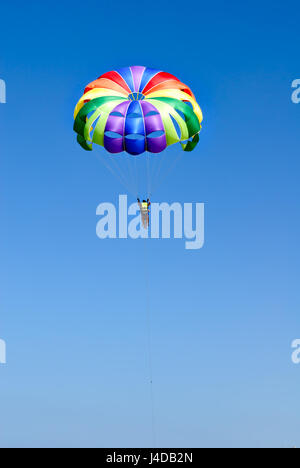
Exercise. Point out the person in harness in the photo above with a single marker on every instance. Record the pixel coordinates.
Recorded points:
(145, 212)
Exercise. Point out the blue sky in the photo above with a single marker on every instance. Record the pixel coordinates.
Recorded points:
(73, 306)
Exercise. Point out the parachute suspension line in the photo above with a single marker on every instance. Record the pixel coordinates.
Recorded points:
(112, 171)
(111, 162)
(130, 172)
(149, 345)
(117, 161)
(156, 163)
(109, 168)
(128, 179)
(136, 177)
(148, 176)
(171, 168)
(133, 174)
(159, 167)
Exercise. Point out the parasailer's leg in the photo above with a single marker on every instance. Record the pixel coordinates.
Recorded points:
(144, 221)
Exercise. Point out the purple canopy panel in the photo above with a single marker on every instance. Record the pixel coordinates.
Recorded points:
(115, 124)
(122, 108)
(148, 107)
(113, 145)
(154, 123)
(156, 144)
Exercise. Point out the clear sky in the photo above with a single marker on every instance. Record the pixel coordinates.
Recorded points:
(73, 306)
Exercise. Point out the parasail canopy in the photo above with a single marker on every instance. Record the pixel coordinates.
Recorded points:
(137, 109)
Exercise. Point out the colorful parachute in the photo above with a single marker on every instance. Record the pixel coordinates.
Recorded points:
(137, 109)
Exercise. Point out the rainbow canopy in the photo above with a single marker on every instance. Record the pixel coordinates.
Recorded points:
(137, 109)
